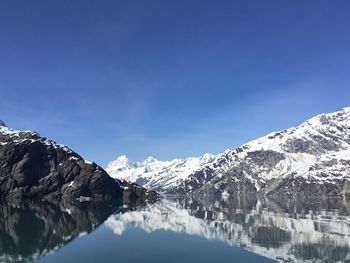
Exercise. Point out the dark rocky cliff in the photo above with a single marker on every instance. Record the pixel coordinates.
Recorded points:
(34, 167)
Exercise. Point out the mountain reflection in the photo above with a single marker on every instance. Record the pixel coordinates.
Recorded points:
(32, 229)
(287, 231)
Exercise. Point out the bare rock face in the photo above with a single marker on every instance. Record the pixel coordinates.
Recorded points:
(34, 167)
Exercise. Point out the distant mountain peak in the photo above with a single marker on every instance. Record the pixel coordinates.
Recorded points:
(122, 158)
(347, 109)
(150, 159)
(158, 174)
(122, 163)
(208, 157)
(2, 123)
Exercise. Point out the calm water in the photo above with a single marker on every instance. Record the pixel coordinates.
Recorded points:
(242, 229)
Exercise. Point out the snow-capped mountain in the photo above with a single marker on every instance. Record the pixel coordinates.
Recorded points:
(32, 166)
(313, 158)
(121, 164)
(155, 174)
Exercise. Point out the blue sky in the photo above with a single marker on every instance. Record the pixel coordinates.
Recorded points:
(169, 78)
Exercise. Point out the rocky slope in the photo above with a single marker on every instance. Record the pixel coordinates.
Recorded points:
(155, 174)
(312, 159)
(34, 167)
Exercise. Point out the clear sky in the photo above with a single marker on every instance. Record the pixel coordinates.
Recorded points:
(169, 78)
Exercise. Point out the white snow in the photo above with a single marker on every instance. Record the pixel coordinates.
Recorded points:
(161, 175)
(153, 173)
(309, 166)
(16, 138)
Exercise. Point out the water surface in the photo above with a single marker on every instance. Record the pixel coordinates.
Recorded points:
(240, 229)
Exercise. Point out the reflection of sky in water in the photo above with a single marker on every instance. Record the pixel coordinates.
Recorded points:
(135, 245)
(178, 230)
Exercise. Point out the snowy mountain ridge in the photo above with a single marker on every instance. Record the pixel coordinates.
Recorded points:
(28, 136)
(155, 174)
(312, 158)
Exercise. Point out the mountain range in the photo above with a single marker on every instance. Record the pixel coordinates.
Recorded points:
(312, 158)
(155, 174)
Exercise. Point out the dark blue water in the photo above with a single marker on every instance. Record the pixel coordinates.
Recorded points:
(240, 229)
(136, 245)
